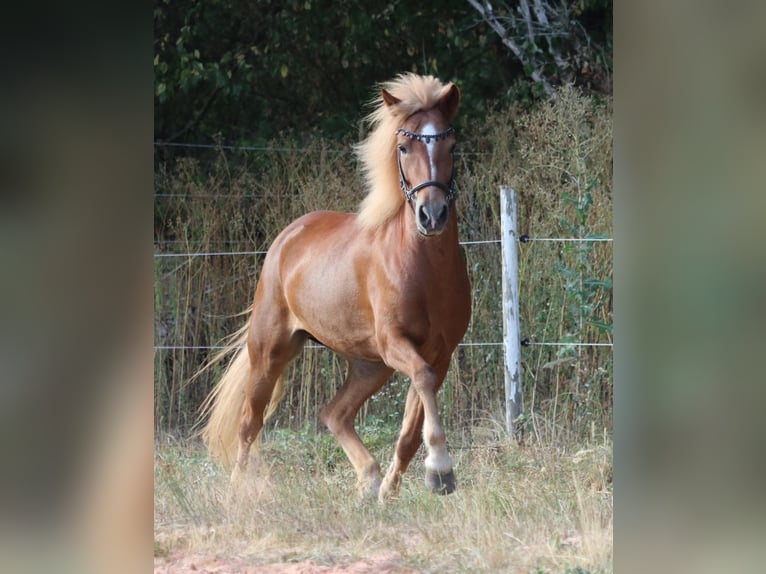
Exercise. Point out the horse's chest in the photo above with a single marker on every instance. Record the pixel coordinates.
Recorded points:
(438, 311)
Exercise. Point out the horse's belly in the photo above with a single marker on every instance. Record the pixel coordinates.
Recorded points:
(327, 303)
(344, 332)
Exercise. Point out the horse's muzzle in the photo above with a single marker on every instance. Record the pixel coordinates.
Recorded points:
(431, 215)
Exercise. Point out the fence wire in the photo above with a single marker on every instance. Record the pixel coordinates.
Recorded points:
(524, 343)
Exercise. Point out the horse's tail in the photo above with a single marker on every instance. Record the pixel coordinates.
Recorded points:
(223, 406)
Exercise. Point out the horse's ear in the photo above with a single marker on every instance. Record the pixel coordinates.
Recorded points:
(449, 101)
(388, 98)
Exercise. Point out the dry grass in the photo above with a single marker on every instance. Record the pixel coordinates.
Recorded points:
(536, 508)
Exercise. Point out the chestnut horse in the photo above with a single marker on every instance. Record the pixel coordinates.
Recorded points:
(386, 288)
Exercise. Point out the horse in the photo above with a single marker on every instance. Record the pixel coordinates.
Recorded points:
(386, 288)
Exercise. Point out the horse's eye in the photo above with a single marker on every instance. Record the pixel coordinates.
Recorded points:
(402, 148)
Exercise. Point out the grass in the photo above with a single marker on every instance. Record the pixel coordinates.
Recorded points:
(539, 508)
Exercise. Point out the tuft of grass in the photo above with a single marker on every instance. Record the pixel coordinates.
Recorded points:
(536, 508)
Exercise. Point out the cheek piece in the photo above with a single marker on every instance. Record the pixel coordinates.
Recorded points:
(409, 193)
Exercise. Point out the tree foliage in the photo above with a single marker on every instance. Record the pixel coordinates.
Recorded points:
(247, 72)
(556, 42)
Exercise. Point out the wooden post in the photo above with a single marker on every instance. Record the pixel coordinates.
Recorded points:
(511, 333)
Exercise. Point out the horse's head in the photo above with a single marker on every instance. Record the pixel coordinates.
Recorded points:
(425, 145)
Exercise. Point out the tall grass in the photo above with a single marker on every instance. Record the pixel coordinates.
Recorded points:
(557, 157)
(539, 508)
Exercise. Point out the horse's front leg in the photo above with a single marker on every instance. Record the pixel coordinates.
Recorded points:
(410, 439)
(421, 411)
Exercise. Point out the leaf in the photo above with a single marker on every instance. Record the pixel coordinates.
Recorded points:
(601, 326)
(605, 283)
(283, 71)
(558, 362)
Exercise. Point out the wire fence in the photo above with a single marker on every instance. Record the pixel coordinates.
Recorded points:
(285, 149)
(522, 239)
(524, 342)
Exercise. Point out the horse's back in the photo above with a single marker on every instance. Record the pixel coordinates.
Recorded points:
(315, 240)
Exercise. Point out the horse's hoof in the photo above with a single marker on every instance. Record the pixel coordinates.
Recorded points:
(389, 488)
(368, 490)
(441, 482)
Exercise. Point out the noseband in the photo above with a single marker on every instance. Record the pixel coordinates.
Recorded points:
(409, 193)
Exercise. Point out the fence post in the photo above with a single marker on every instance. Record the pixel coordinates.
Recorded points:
(511, 335)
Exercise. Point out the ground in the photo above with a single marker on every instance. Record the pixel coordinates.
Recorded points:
(544, 508)
(200, 564)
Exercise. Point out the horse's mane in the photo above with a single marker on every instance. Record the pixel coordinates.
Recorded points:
(377, 153)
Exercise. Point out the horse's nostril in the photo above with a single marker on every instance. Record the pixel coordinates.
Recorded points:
(423, 216)
(443, 214)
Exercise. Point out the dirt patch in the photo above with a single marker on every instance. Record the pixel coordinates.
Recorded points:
(200, 564)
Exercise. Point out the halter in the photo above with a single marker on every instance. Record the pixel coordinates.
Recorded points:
(410, 193)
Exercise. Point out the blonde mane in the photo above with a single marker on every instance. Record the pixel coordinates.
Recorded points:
(377, 153)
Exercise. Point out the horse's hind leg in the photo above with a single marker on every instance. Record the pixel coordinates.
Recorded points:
(363, 380)
(269, 356)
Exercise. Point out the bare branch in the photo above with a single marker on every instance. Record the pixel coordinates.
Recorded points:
(540, 14)
(527, 16)
(548, 40)
(542, 17)
(487, 13)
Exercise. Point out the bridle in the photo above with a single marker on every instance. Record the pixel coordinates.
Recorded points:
(409, 193)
